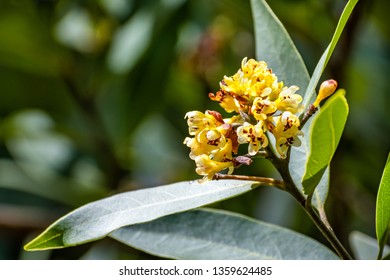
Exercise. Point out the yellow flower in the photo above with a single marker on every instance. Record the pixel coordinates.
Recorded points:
(254, 135)
(262, 108)
(289, 101)
(207, 141)
(211, 159)
(252, 67)
(254, 79)
(261, 104)
(206, 166)
(224, 153)
(227, 101)
(234, 120)
(213, 142)
(198, 121)
(286, 123)
(286, 132)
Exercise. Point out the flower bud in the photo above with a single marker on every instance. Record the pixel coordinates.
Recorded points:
(327, 88)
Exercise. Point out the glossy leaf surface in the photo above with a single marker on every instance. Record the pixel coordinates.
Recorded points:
(325, 134)
(383, 209)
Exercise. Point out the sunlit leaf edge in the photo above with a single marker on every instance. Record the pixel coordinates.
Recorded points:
(297, 165)
(315, 166)
(97, 219)
(320, 67)
(382, 219)
(274, 45)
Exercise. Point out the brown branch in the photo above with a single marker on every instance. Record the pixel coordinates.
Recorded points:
(263, 180)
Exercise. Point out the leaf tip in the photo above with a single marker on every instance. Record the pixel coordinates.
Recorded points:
(49, 239)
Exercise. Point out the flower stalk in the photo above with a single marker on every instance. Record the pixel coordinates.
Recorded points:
(262, 180)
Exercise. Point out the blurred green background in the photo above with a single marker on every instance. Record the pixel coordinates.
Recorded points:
(93, 96)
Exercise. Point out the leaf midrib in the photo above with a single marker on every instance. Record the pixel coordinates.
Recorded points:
(144, 207)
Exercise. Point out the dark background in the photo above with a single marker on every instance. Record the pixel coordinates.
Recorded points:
(93, 96)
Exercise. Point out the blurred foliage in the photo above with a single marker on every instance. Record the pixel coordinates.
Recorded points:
(93, 95)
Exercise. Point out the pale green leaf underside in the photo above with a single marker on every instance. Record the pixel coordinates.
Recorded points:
(325, 133)
(215, 234)
(97, 219)
(299, 155)
(365, 247)
(383, 208)
(274, 46)
(328, 52)
(297, 169)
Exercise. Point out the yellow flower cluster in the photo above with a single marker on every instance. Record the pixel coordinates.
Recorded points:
(261, 103)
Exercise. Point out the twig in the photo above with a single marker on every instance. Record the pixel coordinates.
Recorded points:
(264, 180)
(311, 110)
(282, 165)
(327, 231)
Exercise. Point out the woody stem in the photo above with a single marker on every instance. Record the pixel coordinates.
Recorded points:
(311, 110)
(319, 220)
(264, 180)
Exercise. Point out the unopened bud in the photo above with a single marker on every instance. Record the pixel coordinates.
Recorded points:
(327, 88)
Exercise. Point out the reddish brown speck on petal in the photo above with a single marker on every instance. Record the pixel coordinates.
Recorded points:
(216, 115)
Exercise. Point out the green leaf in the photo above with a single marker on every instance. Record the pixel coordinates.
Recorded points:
(215, 234)
(321, 193)
(383, 209)
(325, 134)
(95, 220)
(297, 170)
(274, 46)
(365, 247)
(328, 53)
(298, 158)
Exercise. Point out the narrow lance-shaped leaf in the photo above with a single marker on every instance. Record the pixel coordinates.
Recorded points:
(215, 234)
(97, 219)
(383, 209)
(274, 45)
(299, 154)
(325, 134)
(328, 52)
